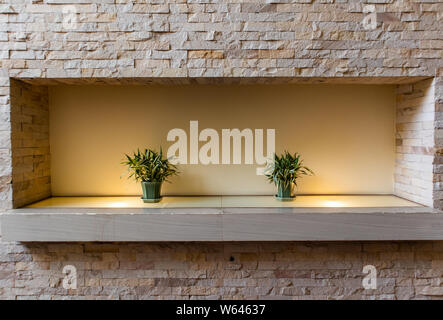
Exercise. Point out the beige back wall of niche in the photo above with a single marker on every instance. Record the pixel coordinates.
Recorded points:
(345, 133)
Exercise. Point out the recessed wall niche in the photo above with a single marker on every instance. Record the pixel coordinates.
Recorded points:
(359, 138)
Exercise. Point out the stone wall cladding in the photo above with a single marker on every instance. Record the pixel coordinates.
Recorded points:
(406, 270)
(263, 38)
(145, 38)
(197, 38)
(438, 137)
(415, 141)
(31, 176)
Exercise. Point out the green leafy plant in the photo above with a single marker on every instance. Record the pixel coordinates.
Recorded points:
(286, 169)
(149, 166)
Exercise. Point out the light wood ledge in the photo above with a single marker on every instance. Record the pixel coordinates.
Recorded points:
(218, 221)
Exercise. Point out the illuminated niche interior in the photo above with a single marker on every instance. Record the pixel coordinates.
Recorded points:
(344, 132)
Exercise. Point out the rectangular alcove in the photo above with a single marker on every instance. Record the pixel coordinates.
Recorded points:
(370, 142)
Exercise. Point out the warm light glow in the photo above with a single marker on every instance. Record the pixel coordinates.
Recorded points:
(302, 201)
(334, 204)
(118, 204)
(354, 115)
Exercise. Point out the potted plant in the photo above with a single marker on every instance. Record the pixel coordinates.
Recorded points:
(151, 170)
(284, 172)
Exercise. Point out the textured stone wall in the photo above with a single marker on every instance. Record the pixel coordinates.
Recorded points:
(127, 38)
(87, 39)
(159, 38)
(438, 138)
(415, 141)
(31, 176)
(216, 270)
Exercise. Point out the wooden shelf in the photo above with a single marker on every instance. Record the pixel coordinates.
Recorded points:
(303, 201)
(224, 219)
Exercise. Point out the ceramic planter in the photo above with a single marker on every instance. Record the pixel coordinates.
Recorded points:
(284, 193)
(151, 191)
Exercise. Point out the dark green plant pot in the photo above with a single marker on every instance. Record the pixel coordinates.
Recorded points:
(284, 193)
(151, 191)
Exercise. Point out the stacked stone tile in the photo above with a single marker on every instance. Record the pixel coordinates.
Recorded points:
(415, 141)
(222, 271)
(145, 38)
(356, 41)
(31, 174)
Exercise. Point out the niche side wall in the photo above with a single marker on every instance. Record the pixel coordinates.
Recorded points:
(31, 176)
(415, 141)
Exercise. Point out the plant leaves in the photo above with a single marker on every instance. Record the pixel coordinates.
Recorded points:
(149, 166)
(286, 169)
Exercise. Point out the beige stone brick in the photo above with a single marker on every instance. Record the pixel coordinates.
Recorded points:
(205, 54)
(145, 39)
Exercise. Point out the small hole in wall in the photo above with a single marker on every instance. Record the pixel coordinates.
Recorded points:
(231, 258)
